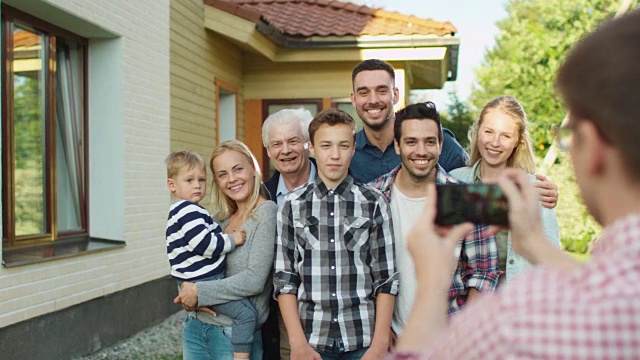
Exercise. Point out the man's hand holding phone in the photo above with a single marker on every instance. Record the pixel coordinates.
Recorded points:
(511, 204)
(525, 222)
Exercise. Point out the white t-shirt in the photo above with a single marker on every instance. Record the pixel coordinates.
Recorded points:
(404, 211)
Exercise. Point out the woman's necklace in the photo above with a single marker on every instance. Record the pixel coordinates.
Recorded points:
(234, 223)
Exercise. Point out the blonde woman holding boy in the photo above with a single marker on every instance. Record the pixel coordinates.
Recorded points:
(196, 245)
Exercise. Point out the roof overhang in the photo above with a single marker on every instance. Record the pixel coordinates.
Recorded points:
(418, 52)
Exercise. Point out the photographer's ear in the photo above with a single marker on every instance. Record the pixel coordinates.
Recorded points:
(305, 146)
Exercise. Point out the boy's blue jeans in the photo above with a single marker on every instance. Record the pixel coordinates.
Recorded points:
(202, 341)
(244, 317)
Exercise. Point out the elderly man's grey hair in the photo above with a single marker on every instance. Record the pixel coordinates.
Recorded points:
(287, 116)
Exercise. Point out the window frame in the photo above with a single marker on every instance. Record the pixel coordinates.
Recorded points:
(11, 17)
(221, 84)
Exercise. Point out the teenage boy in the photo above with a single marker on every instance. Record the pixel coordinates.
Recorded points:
(196, 244)
(335, 278)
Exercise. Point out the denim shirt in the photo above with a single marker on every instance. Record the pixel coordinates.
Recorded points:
(515, 263)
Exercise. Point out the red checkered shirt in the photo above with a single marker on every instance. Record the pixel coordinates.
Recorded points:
(588, 313)
(476, 256)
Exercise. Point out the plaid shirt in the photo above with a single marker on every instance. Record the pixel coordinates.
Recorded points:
(589, 313)
(334, 250)
(477, 255)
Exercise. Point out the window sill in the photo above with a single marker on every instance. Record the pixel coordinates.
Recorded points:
(60, 249)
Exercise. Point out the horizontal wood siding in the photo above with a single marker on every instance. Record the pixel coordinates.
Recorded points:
(198, 58)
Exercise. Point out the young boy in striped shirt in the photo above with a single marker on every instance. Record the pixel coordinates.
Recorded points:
(196, 244)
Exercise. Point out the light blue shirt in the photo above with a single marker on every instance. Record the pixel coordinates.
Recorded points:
(282, 190)
(515, 263)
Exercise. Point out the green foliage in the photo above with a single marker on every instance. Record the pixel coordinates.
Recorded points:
(28, 122)
(532, 42)
(457, 118)
(29, 194)
(29, 144)
(577, 227)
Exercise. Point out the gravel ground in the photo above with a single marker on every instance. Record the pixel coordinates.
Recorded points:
(163, 341)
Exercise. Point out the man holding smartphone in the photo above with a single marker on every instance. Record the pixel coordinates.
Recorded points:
(418, 142)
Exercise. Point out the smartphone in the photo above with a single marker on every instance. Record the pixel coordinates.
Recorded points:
(476, 203)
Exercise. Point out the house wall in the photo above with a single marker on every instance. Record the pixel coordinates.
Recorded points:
(129, 112)
(310, 80)
(264, 79)
(199, 58)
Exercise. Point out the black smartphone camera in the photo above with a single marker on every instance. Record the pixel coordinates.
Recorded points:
(476, 203)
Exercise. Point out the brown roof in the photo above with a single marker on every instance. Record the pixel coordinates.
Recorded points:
(306, 18)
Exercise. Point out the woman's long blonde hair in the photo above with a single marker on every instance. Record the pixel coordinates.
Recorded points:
(522, 155)
(223, 206)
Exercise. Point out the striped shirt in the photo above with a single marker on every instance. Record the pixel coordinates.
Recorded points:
(195, 243)
(334, 250)
(477, 255)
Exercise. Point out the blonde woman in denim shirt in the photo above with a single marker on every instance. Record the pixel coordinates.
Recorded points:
(499, 139)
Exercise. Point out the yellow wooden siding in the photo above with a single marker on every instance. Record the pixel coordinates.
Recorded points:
(198, 57)
(268, 80)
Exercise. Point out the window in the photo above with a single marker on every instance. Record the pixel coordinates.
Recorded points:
(344, 104)
(44, 140)
(226, 108)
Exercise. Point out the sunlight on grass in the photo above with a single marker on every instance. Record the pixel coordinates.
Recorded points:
(578, 256)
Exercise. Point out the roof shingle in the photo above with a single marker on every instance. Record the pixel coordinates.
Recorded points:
(306, 18)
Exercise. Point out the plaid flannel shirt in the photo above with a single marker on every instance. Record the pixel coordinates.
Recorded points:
(591, 312)
(334, 250)
(477, 255)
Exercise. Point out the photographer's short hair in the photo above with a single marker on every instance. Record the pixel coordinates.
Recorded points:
(420, 111)
(182, 160)
(372, 65)
(331, 117)
(301, 117)
(600, 82)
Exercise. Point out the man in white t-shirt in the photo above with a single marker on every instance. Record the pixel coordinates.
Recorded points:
(418, 142)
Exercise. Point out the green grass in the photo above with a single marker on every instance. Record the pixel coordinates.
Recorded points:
(579, 256)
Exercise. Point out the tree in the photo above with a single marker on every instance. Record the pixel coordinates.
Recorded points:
(532, 42)
(457, 118)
